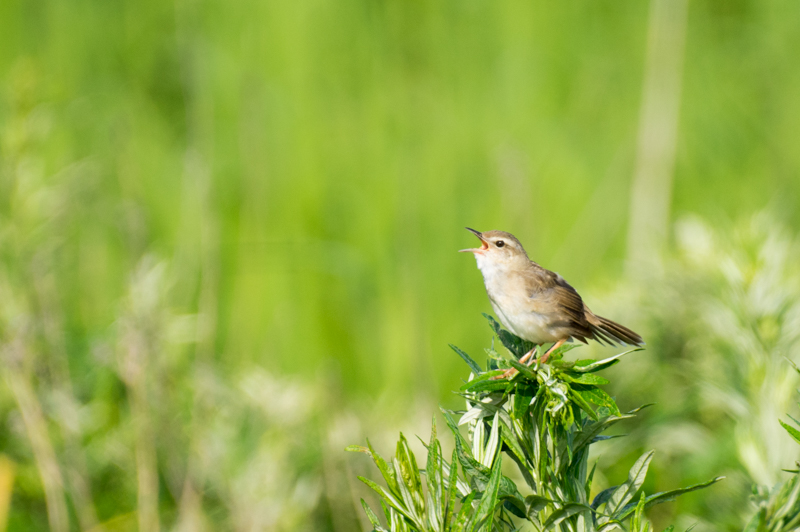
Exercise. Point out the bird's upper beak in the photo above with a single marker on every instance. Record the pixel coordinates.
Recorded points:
(484, 244)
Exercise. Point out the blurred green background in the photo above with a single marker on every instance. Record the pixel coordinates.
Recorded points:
(228, 236)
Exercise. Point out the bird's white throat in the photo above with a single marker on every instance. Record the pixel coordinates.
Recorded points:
(489, 268)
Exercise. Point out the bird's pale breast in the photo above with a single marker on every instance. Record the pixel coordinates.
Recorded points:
(516, 309)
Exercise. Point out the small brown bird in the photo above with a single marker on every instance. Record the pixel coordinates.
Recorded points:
(536, 304)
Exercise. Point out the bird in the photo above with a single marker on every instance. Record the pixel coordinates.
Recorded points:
(537, 304)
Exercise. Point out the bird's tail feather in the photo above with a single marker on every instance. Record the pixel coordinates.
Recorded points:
(612, 332)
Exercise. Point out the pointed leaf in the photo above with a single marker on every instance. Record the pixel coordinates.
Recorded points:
(491, 445)
(489, 498)
(602, 364)
(568, 510)
(603, 496)
(590, 431)
(392, 501)
(626, 491)
(464, 513)
(357, 449)
(586, 378)
(476, 369)
(373, 519)
(793, 432)
(666, 496)
(596, 396)
(451, 492)
(584, 405)
(386, 471)
(524, 370)
(537, 503)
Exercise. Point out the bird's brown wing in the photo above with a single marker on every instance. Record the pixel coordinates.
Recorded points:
(552, 295)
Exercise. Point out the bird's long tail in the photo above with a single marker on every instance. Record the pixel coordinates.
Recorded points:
(605, 330)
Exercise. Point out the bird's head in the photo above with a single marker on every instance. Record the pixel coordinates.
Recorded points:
(498, 250)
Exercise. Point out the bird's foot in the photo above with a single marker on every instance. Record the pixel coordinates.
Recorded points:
(549, 351)
(507, 374)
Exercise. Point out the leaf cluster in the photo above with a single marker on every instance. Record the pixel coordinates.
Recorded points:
(449, 504)
(545, 419)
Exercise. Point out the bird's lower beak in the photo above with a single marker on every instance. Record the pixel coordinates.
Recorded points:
(484, 244)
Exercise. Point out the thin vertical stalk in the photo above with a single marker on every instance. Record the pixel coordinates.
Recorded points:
(146, 465)
(18, 379)
(75, 462)
(651, 192)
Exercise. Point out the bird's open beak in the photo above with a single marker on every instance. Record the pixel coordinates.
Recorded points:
(484, 244)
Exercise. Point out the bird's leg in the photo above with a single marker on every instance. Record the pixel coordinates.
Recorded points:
(552, 348)
(527, 355)
(511, 372)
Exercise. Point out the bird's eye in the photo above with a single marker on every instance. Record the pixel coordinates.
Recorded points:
(499, 243)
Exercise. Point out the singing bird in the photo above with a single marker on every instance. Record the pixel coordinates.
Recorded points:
(536, 304)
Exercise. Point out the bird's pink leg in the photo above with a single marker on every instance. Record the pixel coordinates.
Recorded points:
(552, 348)
(511, 372)
(527, 355)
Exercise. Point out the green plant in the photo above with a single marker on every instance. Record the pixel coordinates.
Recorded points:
(778, 509)
(544, 418)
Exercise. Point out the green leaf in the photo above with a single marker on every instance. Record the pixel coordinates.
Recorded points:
(448, 417)
(523, 395)
(536, 503)
(487, 385)
(451, 491)
(493, 441)
(596, 396)
(357, 449)
(470, 466)
(589, 479)
(793, 432)
(392, 501)
(626, 491)
(434, 477)
(515, 506)
(638, 515)
(464, 513)
(603, 496)
(602, 364)
(524, 370)
(588, 433)
(489, 498)
(665, 496)
(578, 399)
(373, 519)
(386, 471)
(510, 439)
(476, 369)
(586, 378)
(407, 470)
(568, 510)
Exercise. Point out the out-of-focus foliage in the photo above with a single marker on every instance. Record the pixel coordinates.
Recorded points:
(778, 509)
(721, 316)
(212, 210)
